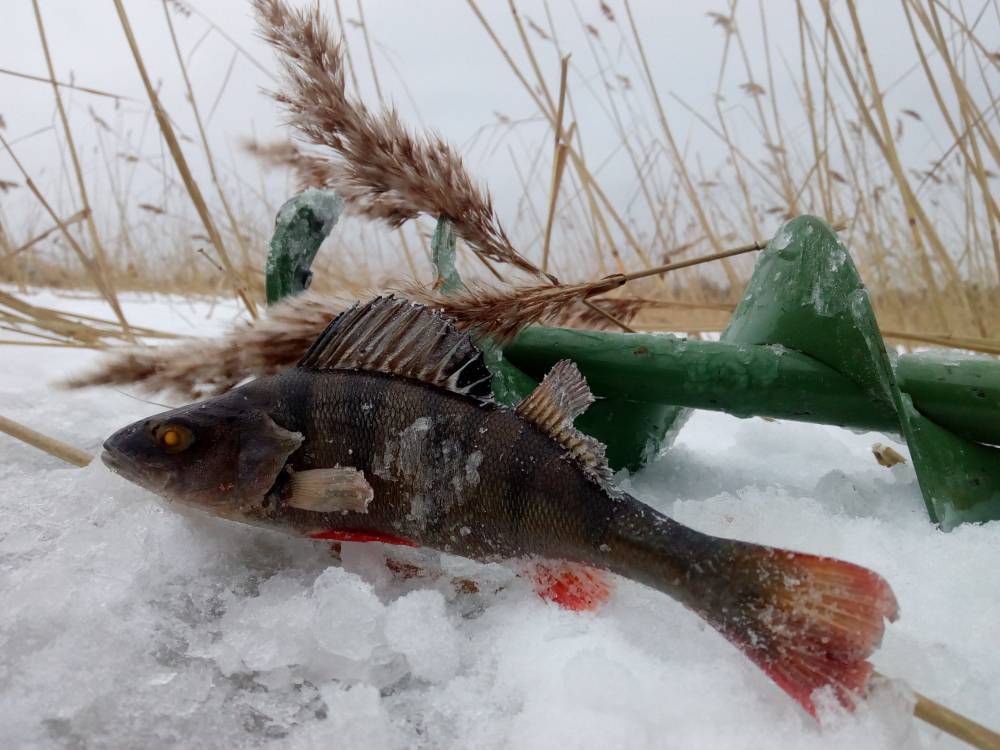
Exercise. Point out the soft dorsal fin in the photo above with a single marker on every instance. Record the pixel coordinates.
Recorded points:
(563, 396)
(399, 337)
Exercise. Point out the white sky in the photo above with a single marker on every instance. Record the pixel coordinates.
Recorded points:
(455, 82)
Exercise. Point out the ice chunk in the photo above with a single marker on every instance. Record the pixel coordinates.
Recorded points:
(418, 627)
(347, 615)
(782, 239)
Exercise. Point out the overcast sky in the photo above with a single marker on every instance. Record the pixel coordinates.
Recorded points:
(436, 64)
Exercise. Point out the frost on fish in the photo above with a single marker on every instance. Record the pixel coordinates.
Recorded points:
(428, 464)
(402, 454)
(472, 463)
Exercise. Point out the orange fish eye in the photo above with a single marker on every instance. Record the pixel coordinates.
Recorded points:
(173, 438)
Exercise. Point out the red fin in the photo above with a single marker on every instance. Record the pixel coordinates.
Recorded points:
(361, 536)
(571, 585)
(812, 624)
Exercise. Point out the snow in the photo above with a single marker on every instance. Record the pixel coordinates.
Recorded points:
(128, 624)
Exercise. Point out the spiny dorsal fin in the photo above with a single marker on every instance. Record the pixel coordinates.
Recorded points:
(399, 337)
(563, 396)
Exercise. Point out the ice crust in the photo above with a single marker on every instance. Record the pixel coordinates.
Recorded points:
(125, 623)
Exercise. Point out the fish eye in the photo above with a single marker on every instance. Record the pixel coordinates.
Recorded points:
(173, 438)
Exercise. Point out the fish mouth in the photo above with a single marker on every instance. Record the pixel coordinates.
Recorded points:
(110, 460)
(116, 462)
(127, 468)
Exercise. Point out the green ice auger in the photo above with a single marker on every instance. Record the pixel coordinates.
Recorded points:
(803, 344)
(299, 229)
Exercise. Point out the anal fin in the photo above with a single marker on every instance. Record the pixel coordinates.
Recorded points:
(341, 489)
(572, 586)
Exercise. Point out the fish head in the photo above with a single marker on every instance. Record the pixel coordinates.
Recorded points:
(221, 456)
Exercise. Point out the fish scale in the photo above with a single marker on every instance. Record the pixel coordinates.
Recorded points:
(526, 493)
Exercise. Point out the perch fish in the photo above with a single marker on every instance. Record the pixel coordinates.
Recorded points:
(385, 431)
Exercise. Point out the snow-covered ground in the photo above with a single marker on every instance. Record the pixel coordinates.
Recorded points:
(126, 624)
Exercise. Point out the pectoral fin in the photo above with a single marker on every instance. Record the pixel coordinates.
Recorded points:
(341, 488)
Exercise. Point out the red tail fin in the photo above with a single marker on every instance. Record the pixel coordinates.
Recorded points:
(808, 622)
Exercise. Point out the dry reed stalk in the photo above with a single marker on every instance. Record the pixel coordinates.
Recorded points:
(967, 135)
(234, 227)
(368, 49)
(970, 117)
(679, 162)
(50, 445)
(861, 177)
(347, 46)
(63, 84)
(734, 150)
(783, 152)
(378, 90)
(586, 178)
(85, 260)
(75, 218)
(182, 166)
(951, 342)
(644, 180)
(100, 260)
(558, 160)
(952, 722)
(52, 344)
(67, 328)
(384, 172)
(918, 221)
(583, 199)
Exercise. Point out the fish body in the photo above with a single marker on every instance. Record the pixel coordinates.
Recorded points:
(384, 432)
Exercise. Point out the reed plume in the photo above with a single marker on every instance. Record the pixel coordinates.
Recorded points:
(311, 171)
(502, 313)
(586, 317)
(383, 171)
(205, 367)
(196, 368)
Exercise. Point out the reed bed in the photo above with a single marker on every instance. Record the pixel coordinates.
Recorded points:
(924, 235)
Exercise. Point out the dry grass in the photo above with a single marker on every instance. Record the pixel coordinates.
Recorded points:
(925, 236)
(383, 172)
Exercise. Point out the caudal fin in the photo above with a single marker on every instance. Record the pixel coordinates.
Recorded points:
(809, 622)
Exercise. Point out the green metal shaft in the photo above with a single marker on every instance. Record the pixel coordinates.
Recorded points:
(300, 228)
(957, 392)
